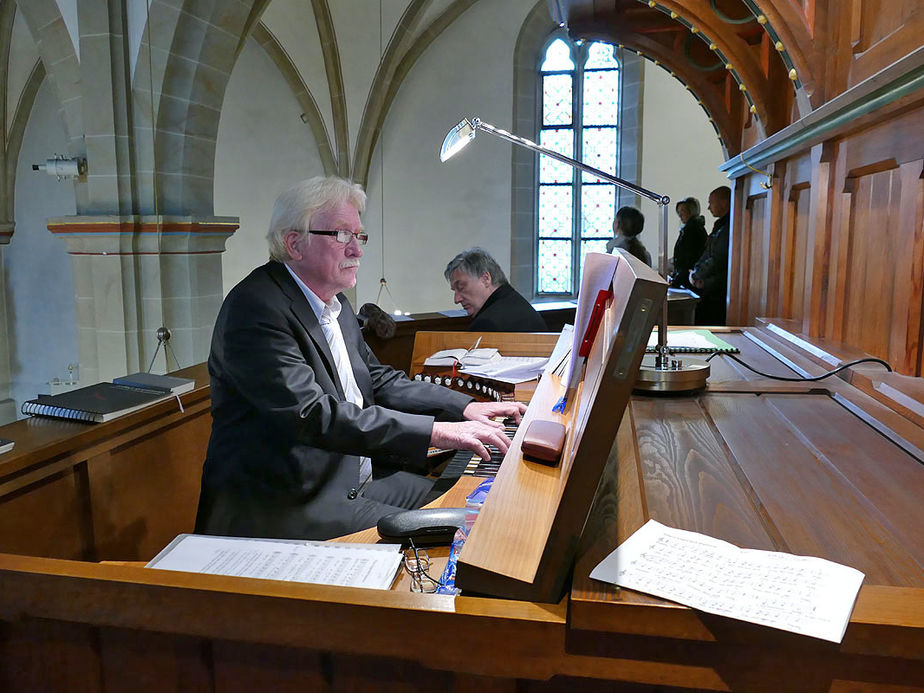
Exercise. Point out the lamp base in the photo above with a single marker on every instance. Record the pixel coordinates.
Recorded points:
(687, 375)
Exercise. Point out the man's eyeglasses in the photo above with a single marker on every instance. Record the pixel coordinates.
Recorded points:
(416, 564)
(343, 236)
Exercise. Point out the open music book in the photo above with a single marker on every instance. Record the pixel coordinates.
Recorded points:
(464, 357)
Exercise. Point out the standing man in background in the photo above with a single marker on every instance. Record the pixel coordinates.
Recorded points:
(709, 276)
(299, 402)
(479, 284)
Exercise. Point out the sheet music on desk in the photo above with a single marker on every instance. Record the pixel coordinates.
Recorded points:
(295, 560)
(803, 594)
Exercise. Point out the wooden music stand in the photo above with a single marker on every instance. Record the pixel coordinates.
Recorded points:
(523, 543)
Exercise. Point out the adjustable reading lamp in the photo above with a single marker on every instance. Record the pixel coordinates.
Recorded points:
(662, 374)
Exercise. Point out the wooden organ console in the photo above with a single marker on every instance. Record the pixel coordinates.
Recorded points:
(832, 469)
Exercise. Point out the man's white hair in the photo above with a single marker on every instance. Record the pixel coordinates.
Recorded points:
(295, 207)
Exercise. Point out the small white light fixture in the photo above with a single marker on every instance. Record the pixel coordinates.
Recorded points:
(62, 167)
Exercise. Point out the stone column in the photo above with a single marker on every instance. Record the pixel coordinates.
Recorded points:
(7, 405)
(135, 274)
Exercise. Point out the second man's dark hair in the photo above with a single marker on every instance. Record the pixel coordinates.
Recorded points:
(631, 221)
(475, 262)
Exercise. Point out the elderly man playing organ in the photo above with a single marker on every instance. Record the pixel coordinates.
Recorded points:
(300, 404)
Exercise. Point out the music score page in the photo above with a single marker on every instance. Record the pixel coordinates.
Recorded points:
(323, 563)
(803, 594)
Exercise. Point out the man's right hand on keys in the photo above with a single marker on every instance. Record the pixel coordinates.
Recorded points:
(470, 435)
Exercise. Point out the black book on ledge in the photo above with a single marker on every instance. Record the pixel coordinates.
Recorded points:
(105, 401)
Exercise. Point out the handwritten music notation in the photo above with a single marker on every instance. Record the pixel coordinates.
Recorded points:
(802, 594)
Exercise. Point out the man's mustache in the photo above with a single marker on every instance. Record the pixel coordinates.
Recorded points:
(349, 263)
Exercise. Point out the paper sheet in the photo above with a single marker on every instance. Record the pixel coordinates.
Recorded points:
(599, 269)
(802, 594)
(324, 563)
(510, 369)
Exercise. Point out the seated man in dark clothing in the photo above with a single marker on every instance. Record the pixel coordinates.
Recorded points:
(709, 277)
(627, 225)
(479, 284)
(301, 405)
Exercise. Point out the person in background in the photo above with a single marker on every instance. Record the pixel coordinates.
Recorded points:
(627, 225)
(480, 286)
(709, 276)
(300, 404)
(690, 243)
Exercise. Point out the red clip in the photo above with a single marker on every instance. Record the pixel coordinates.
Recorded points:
(596, 316)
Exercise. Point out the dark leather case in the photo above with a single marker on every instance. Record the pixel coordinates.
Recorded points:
(543, 441)
(426, 526)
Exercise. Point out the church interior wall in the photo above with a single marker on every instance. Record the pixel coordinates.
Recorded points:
(680, 153)
(41, 312)
(420, 212)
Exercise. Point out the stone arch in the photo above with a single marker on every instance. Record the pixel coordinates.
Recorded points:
(15, 136)
(185, 62)
(331, 52)
(56, 49)
(311, 114)
(404, 49)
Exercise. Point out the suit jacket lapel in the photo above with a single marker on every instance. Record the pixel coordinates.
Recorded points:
(305, 315)
(349, 326)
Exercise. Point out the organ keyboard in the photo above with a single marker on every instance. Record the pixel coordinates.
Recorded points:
(467, 463)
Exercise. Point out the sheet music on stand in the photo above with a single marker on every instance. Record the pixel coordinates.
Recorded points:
(803, 594)
(599, 269)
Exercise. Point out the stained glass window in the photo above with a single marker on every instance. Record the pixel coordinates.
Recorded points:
(557, 57)
(597, 203)
(555, 211)
(556, 106)
(579, 109)
(562, 141)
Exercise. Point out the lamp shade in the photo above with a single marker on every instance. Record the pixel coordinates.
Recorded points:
(456, 139)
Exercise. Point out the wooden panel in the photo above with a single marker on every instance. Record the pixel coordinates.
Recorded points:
(136, 515)
(883, 31)
(41, 655)
(143, 661)
(117, 490)
(758, 241)
(688, 479)
(906, 338)
(243, 668)
(524, 539)
(872, 260)
(794, 473)
(796, 260)
(47, 518)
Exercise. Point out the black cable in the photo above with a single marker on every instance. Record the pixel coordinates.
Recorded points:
(869, 359)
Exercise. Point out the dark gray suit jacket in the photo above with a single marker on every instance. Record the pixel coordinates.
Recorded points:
(284, 452)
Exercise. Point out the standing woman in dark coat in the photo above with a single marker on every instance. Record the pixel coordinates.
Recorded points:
(690, 243)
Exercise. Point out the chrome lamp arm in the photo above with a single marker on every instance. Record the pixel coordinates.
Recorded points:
(463, 133)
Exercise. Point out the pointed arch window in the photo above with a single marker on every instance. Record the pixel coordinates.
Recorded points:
(578, 117)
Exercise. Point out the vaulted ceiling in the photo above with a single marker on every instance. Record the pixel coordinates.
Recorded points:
(730, 54)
